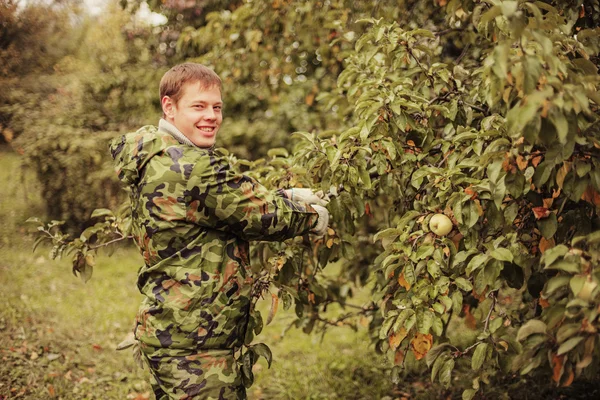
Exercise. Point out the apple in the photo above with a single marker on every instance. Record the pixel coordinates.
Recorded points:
(440, 224)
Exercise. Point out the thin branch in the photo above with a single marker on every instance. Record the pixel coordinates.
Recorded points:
(421, 66)
(449, 30)
(487, 319)
(123, 237)
(464, 52)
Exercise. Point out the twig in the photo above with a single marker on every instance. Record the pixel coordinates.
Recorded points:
(464, 52)
(110, 242)
(487, 319)
(420, 66)
(473, 106)
(443, 32)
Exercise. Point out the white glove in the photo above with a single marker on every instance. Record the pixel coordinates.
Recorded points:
(305, 195)
(321, 228)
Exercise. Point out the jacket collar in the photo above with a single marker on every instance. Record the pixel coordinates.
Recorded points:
(166, 126)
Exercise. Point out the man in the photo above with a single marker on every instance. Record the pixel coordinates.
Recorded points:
(192, 219)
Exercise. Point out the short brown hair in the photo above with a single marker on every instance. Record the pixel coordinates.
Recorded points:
(174, 79)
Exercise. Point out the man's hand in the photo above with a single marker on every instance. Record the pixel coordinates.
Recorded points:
(305, 195)
(321, 228)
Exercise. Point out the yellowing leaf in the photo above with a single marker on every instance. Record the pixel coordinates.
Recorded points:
(398, 357)
(421, 344)
(396, 338)
(540, 212)
(402, 281)
(591, 196)
(557, 367)
(522, 162)
(546, 244)
(273, 310)
(562, 173)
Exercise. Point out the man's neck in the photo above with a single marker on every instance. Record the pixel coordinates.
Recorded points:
(166, 126)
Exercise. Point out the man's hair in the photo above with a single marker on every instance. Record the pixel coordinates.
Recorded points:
(173, 80)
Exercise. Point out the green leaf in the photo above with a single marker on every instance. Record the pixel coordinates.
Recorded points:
(102, 212)
(409, 273)
(548, 226)
(435, 352)
(477, 262)
(566, 331)
(495, 324)
(531, 327)
(446, 373)
(457, 301)
(569, 345)
(437, 365)
(424, 251)
(463, 284)
(556, 283)
(479, 356)
(86, 272)
(262, 350)
(502, 254)
(247, 364)
(562, 126)
(566, 266)
(552, 254)
(425, 321)
(468, 394)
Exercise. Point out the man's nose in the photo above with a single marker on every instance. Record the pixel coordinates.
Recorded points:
(210, 114)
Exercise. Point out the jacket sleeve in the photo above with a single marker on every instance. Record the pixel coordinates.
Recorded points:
(216, 197)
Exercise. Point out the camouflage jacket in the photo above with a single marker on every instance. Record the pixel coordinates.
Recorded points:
(192, 220)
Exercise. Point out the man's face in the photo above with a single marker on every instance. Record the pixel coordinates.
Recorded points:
(197, 114)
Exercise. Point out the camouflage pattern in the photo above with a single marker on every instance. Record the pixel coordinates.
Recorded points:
(192, 220)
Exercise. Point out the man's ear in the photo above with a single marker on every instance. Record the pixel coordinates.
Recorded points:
(168, 106)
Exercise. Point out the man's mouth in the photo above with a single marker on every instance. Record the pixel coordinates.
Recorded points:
(207, 129)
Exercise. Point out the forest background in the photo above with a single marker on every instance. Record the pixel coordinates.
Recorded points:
(483, 111)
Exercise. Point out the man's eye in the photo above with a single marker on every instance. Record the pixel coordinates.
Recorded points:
(198, 106)
(218, 108)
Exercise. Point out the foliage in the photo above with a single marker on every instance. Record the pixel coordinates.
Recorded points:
(64, 120)
(32, 39)
(489, 117)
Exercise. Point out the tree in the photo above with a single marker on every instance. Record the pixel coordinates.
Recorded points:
(488, 116)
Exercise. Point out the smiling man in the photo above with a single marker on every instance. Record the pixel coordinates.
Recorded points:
(194, 108)
(192, 219)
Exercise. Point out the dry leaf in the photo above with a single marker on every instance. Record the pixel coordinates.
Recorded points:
(470, 320)
(546, 244)
(569, 379)
(396, 338)
(591, 196)
(273, 310)
(540, 212)
(421, 344)
(557, 367)
(398, 357)
(402, 282)
(522, 162)
(536, 160)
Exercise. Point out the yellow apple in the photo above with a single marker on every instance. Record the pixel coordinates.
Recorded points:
(440, 224)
